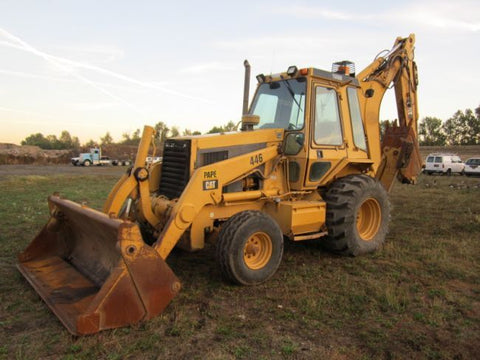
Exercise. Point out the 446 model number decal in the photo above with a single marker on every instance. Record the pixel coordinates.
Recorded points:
(256, 160)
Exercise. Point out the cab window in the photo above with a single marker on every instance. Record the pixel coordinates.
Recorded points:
(355, 116)
(327, 118)
(281, 104)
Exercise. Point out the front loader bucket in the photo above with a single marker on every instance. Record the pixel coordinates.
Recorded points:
(95, 272)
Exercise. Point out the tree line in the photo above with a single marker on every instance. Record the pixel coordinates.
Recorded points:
(66, 141)
(463, 128)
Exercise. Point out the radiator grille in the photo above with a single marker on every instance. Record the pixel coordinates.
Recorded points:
(175, 168)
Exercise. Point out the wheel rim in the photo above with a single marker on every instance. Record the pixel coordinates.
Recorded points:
(369, 218)
(257, 251)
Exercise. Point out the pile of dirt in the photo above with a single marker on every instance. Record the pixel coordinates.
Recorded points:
(119, 152)
(11, 154)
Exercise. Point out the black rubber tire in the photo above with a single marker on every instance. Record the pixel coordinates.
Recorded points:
(448, 172)
(87, 163)
(344, 198)
(231, 243)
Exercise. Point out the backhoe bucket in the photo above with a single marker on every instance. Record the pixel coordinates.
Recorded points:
(409, 160)
(96, 272)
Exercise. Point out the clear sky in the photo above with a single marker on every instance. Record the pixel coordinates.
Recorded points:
(95, 66)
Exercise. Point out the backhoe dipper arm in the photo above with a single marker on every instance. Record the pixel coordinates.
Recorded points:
(398, 153)
(196, 196)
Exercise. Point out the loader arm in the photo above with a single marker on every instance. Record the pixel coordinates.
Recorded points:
(134, 184)
(398, 154)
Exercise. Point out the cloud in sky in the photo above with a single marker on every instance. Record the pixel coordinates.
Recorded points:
(92, 106)
(67, 79)
(66, 66)
(93, 53)
(276, 41)
(70, 67)
(451, 16)
(456, 16)
(315, 12)
(207, 67)
(25, 112)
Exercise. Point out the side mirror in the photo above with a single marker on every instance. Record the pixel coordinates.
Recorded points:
(293, 143)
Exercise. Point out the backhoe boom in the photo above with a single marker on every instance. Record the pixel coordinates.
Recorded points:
(398, 153)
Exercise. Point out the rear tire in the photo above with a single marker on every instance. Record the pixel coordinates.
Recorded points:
(249, 248)
(358, 213)
(448, 172)
(87, 163)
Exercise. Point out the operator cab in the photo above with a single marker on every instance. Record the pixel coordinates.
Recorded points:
(320, 127)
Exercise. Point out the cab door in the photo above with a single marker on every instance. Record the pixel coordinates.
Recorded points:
(327, 135)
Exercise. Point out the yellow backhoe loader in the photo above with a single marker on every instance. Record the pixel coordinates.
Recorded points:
(308, 163)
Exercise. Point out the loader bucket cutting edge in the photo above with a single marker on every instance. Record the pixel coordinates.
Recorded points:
(94, 272)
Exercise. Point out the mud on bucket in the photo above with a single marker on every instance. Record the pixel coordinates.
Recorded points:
(95, 272)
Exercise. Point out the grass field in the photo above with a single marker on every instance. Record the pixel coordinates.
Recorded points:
(417, 298)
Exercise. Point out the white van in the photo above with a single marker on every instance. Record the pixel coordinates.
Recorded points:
(472, 166)
(444, 164)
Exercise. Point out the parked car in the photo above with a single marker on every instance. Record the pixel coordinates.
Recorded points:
(447, 164)
(472, 167)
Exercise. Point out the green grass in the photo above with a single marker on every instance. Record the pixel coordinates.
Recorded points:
(418, 297)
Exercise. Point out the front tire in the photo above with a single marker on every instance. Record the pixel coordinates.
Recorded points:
(249, 248)
(87, 163)
(358, 213)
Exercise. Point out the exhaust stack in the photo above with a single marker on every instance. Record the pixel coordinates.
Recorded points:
(246, 87)
(248, 120)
